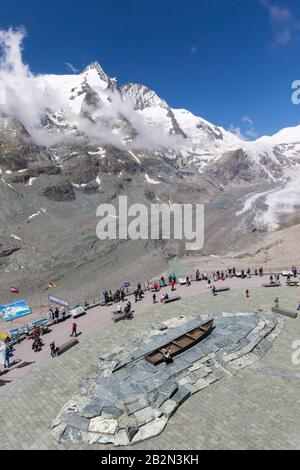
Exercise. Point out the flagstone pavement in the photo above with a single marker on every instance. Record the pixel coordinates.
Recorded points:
(259, 408)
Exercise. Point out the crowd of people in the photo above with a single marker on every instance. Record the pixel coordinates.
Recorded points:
(229, 273)
(57, 314)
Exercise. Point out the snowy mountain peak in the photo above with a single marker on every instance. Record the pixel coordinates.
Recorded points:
(95, 69)
(142, 97)
(95, 66)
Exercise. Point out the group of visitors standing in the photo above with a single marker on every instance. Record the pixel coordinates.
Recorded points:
(117, 296)
(57, 313)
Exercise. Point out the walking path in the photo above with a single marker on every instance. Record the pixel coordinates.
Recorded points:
(25, 359)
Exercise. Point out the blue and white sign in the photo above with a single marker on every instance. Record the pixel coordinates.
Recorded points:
(16, 310)
(126, 284)
(59, 301)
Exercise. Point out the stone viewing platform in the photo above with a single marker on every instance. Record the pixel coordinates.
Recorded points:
(256, 407)
(128, 400)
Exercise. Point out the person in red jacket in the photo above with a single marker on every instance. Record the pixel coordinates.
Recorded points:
(74, 329)
(173, 284)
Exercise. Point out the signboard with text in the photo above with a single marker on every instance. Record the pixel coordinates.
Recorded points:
(57, 300)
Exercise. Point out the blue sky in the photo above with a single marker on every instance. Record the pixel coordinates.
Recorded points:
(229, 61)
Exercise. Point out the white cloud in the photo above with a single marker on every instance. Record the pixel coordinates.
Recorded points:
(247, 131)
(237, 131)
(252, 133)
(250, 128)
(71, 67)
(283, 20)
(29, 96)
(246, 120)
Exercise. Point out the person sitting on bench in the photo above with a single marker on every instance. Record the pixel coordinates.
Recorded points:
(127, 309)
(167, 355)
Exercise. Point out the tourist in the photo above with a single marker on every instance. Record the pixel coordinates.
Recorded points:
(154, 298)
(106, 297)
(6, 355)
(214, 290)
(52, 349)
(62, 313)
(188, 281)
(197, 275)
(167, 354)
(56, 315)
(135, 296)
(74, 329)
(127, 309)
(26, 330)
(247, 293)
(173, 284)
(298, 305)
(53, 315)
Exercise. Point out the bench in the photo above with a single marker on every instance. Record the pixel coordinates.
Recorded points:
(286, 313)
(171, 299)
(122, 316)
(292, 283)
(287, 273)
(77, 312)
(272, 284)
(66, 346)
(221, 289)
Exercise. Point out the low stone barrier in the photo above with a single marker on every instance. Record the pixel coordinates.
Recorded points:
(286, 313)
(66, 346)
(171, 299)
